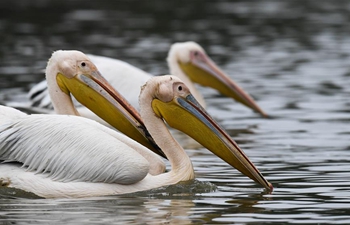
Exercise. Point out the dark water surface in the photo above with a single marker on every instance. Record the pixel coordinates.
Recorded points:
(292, 56)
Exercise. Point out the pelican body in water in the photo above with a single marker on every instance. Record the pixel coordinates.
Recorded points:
(187, 60)
(81, 158)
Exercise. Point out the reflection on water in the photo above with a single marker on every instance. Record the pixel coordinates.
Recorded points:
(292, 56)
(101, 210)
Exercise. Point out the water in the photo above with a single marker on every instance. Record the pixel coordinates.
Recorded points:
(292, 56)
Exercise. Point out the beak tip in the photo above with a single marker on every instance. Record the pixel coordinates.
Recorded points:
(263, 113)
(270, 187)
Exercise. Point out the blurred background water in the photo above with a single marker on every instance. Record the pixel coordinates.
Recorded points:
(292, 56)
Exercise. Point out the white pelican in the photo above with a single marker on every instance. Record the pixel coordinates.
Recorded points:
(71, 72)
(186, 60)
(60, 163)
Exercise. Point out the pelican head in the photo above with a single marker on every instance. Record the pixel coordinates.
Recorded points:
(193, 61)
(174, 103)
(72, 72)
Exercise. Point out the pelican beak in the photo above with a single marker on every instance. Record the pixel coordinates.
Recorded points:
(193, 120)
(93, 91)
(202, 70)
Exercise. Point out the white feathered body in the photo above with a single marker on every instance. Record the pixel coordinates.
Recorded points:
(69, 156)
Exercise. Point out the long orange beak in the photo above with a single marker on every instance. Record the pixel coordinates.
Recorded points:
(202, 70)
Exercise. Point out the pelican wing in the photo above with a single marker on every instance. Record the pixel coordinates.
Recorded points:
(8, 113)
(68, 149)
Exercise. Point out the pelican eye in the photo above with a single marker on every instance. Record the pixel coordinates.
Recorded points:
(196, 53)
(83, 64)
(179, 88)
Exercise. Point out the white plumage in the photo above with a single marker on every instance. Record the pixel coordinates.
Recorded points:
(70, 148)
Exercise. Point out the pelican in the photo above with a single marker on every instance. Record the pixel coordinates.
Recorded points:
(187, 60)
(51, 168)
(71, 72)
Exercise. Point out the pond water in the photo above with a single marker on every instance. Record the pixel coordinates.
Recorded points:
(292, 56)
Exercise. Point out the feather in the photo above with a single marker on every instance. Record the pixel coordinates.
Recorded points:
(51, 144)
